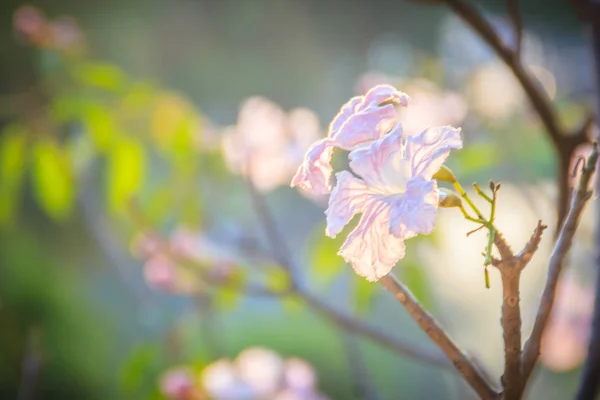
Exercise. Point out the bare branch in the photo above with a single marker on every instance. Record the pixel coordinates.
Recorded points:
(462, 363)
(504, 249)
(353, 324)
(580, 198)
(531, 247)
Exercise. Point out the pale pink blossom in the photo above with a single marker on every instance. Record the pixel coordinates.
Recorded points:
(268, 143)
(222, 382)
(300, 376)
(161, 258)
(363, 119)
(161, 273)
(262, 369)
(178, 384)
(260, 374)
(395, 194)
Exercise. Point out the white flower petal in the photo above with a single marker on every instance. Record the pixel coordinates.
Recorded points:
(371, 249)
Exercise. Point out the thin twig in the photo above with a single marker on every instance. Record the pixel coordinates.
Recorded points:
(279, 247)
(580, 198)
(462, 363)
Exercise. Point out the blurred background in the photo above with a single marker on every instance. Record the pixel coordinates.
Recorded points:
(130, 127)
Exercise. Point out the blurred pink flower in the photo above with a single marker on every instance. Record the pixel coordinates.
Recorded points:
(300, 375)
(178, 384)
(267, 143)
(30, 22)
(360, 121)
(262, 369)
(222, 382)
(260, 374)
(564, 344)
(430, 105)
(161, 273)
(160, 267)
(395, 194)
(66, 34)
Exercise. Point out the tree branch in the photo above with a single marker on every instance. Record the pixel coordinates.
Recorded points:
(510, 271)
(283, 255)
(580, 198)
(564, 144)
(474, 377)
(355, 325)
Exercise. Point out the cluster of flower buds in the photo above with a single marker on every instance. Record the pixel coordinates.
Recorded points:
(391, 179)
(164, 261)
(61, 34)
(256, 374)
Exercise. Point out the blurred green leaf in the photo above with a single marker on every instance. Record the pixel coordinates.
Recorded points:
(126, 170)
(136, 369)
(100, 75)
(363, 293)
(325, 262)
(52, 179)
(413, 275)
(100, 125)
(13, 148)
(277, 279)
(293, 304)
(476, 157)
(227, 299)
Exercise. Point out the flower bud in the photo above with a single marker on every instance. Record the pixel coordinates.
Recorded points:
(449, 199)
(445, 174)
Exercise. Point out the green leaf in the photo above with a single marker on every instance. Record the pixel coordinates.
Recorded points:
(325, 262)
(125, 175)
(227, 299)
(363, 293)
(13, 148)
(100, 75)
(140, 364)
(52, 179)
(413, 275)
(100, 125)
(277, 279)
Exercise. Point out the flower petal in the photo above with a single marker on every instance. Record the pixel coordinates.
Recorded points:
(428, 150)
(315, 171)
(347, 199)
(365, 126)
(380, 163)
(371, 248)
(387, 94)
(342, 116)
(414, 212)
